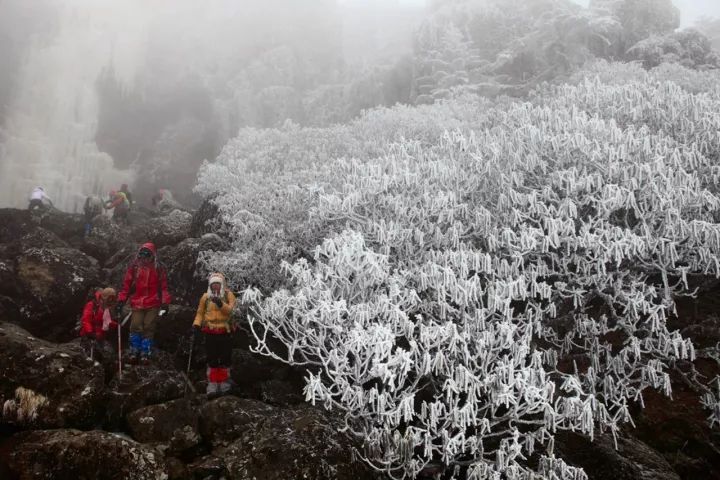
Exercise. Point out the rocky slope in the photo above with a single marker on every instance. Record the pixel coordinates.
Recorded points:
(66, 416)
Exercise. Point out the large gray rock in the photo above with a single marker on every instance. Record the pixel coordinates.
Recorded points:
(173, 329)
(185, 275)
(107, 238)
(632, 460)
(266, 379)
(44, 283)
(68, 226)
(678, 430)
(255, 440)
(224, 420)
(54, 285)
(302, 442)
(15, 223)
(73, 454)
(169, 229)
(174, 423)
(141, 386)
(45, 385)
(206, 219)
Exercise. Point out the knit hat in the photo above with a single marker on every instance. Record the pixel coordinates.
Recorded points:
(216, 277)
(108, 295)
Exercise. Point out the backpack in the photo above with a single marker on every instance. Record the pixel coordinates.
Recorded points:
(232, 321)
(160, 269)
(91, 297)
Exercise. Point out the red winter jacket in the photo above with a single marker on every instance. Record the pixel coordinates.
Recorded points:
(150, 280)
(92, 318)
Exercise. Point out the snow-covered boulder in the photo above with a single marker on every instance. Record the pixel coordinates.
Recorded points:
(45, 385)
(169, 229)
(300, 442)
(51, 286)
(173, 423)
(141, 386)
(48, 454)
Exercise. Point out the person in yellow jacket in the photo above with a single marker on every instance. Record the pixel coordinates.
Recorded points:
(213, 319)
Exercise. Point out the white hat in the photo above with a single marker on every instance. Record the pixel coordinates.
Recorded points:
(216, 278)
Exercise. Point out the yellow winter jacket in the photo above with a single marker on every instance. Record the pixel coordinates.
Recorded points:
(213, 319)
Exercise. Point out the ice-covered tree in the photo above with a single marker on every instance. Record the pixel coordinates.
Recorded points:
(479, 290)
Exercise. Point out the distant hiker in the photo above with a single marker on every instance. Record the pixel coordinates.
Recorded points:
(39, 200)
(128, 195)
(92, 208)
(97, 319)
(150, 297)
(164, 202)
(213, 319)
(158, 197)
(119, 202)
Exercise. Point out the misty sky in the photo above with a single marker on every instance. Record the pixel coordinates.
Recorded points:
(691, 9)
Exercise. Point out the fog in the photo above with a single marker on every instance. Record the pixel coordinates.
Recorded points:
(690, 10)
(95, 93)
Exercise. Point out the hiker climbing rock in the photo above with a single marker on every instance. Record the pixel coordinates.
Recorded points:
(119, 202)
(92, 208)
(213, 319)
(97, 320)
(163, 201)
(150, 298)
(159, 196)
(39, 200)
(124, 190)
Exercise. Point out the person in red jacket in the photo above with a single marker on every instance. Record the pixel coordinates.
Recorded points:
(150, 297)
(97, 316)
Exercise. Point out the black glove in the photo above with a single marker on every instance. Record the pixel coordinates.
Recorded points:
(119, 309)
(196, 332)
(217, 301)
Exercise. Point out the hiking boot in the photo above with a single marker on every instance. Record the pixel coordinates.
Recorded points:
(146, 349)
(226, 387)
(212, 390)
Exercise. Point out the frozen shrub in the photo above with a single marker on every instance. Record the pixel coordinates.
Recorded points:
(481, 289)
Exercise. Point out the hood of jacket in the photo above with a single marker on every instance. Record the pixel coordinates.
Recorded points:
(213, 278)
(150, 246)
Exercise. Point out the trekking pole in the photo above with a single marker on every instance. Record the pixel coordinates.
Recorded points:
(120, 345)
(119, 353)
(187, 373)
(92, 350)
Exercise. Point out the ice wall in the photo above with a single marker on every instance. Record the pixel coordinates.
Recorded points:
(48, 137)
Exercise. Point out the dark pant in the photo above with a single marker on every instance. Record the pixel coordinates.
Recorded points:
(120, 215)
(143, 322)
(35, 203)
(218, 349)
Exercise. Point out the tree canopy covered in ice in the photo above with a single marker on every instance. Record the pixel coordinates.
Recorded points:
(486, 273)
